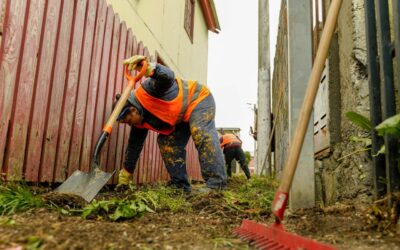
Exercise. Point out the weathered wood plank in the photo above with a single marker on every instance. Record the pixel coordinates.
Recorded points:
(39, 111)
(9, 62)
(103, 86)
(86, 152)
(71, 91)
(111, 92)
(48, 168)
(126, 128)
(2, 14)
(119, 80)
(24, 93)
(80, 110)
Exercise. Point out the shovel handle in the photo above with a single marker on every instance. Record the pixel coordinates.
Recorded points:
(124, 96)
(117, 110)
(281, 196)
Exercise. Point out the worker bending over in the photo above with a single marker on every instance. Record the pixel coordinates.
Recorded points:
(232, 148)
(176, 109)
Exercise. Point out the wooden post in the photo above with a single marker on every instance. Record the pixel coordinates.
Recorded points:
(264, 97)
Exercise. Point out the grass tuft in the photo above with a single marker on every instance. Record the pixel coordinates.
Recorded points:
(252, 196)
(17, 197)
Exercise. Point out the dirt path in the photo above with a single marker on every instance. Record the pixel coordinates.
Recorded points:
(207, 225)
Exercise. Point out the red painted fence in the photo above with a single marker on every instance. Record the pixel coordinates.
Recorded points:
(60, 68)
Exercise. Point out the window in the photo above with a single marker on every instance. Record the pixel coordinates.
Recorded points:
(189, 18)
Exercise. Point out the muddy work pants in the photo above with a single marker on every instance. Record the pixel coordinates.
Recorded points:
(201, 127)
(236, 152)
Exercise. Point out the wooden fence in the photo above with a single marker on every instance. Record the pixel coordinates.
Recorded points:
(60, 68)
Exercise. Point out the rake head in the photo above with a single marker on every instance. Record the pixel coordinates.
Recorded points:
(275, 238)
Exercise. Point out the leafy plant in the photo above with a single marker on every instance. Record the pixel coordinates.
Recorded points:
(137, 203)
(390, 126)
(359, 120)
(247, 155)
(118, 209)
(17, 197)
(365, 124)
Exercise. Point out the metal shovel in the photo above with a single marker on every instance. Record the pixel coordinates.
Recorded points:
(87, 185)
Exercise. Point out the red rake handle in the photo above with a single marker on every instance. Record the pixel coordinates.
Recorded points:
(281, 196)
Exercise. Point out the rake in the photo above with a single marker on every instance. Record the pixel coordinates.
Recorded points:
(275, 237)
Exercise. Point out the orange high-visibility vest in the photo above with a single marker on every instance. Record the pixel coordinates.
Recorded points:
(229, 139)
(172, 112)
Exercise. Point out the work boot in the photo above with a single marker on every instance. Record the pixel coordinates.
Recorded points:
(125, 178)
(247, 172)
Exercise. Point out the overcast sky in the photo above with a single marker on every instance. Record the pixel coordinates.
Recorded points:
(233, 63)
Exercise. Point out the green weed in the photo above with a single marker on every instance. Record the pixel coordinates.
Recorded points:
(170, 199)
(252, 196)
(33, 243)
(115, 209)
(137, 203)
(17, 197)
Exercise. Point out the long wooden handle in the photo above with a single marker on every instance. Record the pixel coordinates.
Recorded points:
(309, 98)
(122, 100)
(282, 194)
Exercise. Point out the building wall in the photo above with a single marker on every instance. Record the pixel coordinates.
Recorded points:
(280, 93)
(160, 25)
(345, 175)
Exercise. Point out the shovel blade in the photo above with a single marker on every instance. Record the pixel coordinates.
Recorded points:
(85, 185)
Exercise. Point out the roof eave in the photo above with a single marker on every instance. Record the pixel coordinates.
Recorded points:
(210, 15)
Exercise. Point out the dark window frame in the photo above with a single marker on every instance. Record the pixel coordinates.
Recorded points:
(188, 22)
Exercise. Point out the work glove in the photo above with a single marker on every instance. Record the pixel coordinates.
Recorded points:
(125, 178)
(134, 62)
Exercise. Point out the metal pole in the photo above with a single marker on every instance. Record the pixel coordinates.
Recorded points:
(378, 168)
(264, 100)
(396, 24)
(387, 92)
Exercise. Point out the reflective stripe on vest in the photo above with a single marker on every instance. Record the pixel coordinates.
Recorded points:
(172, 112)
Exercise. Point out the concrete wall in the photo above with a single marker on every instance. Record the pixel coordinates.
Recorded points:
(280, 94)
(302, 193)
(160, 25)
(344, 175)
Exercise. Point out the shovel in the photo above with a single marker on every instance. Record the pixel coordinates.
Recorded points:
(87, 185)
(275, 237)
